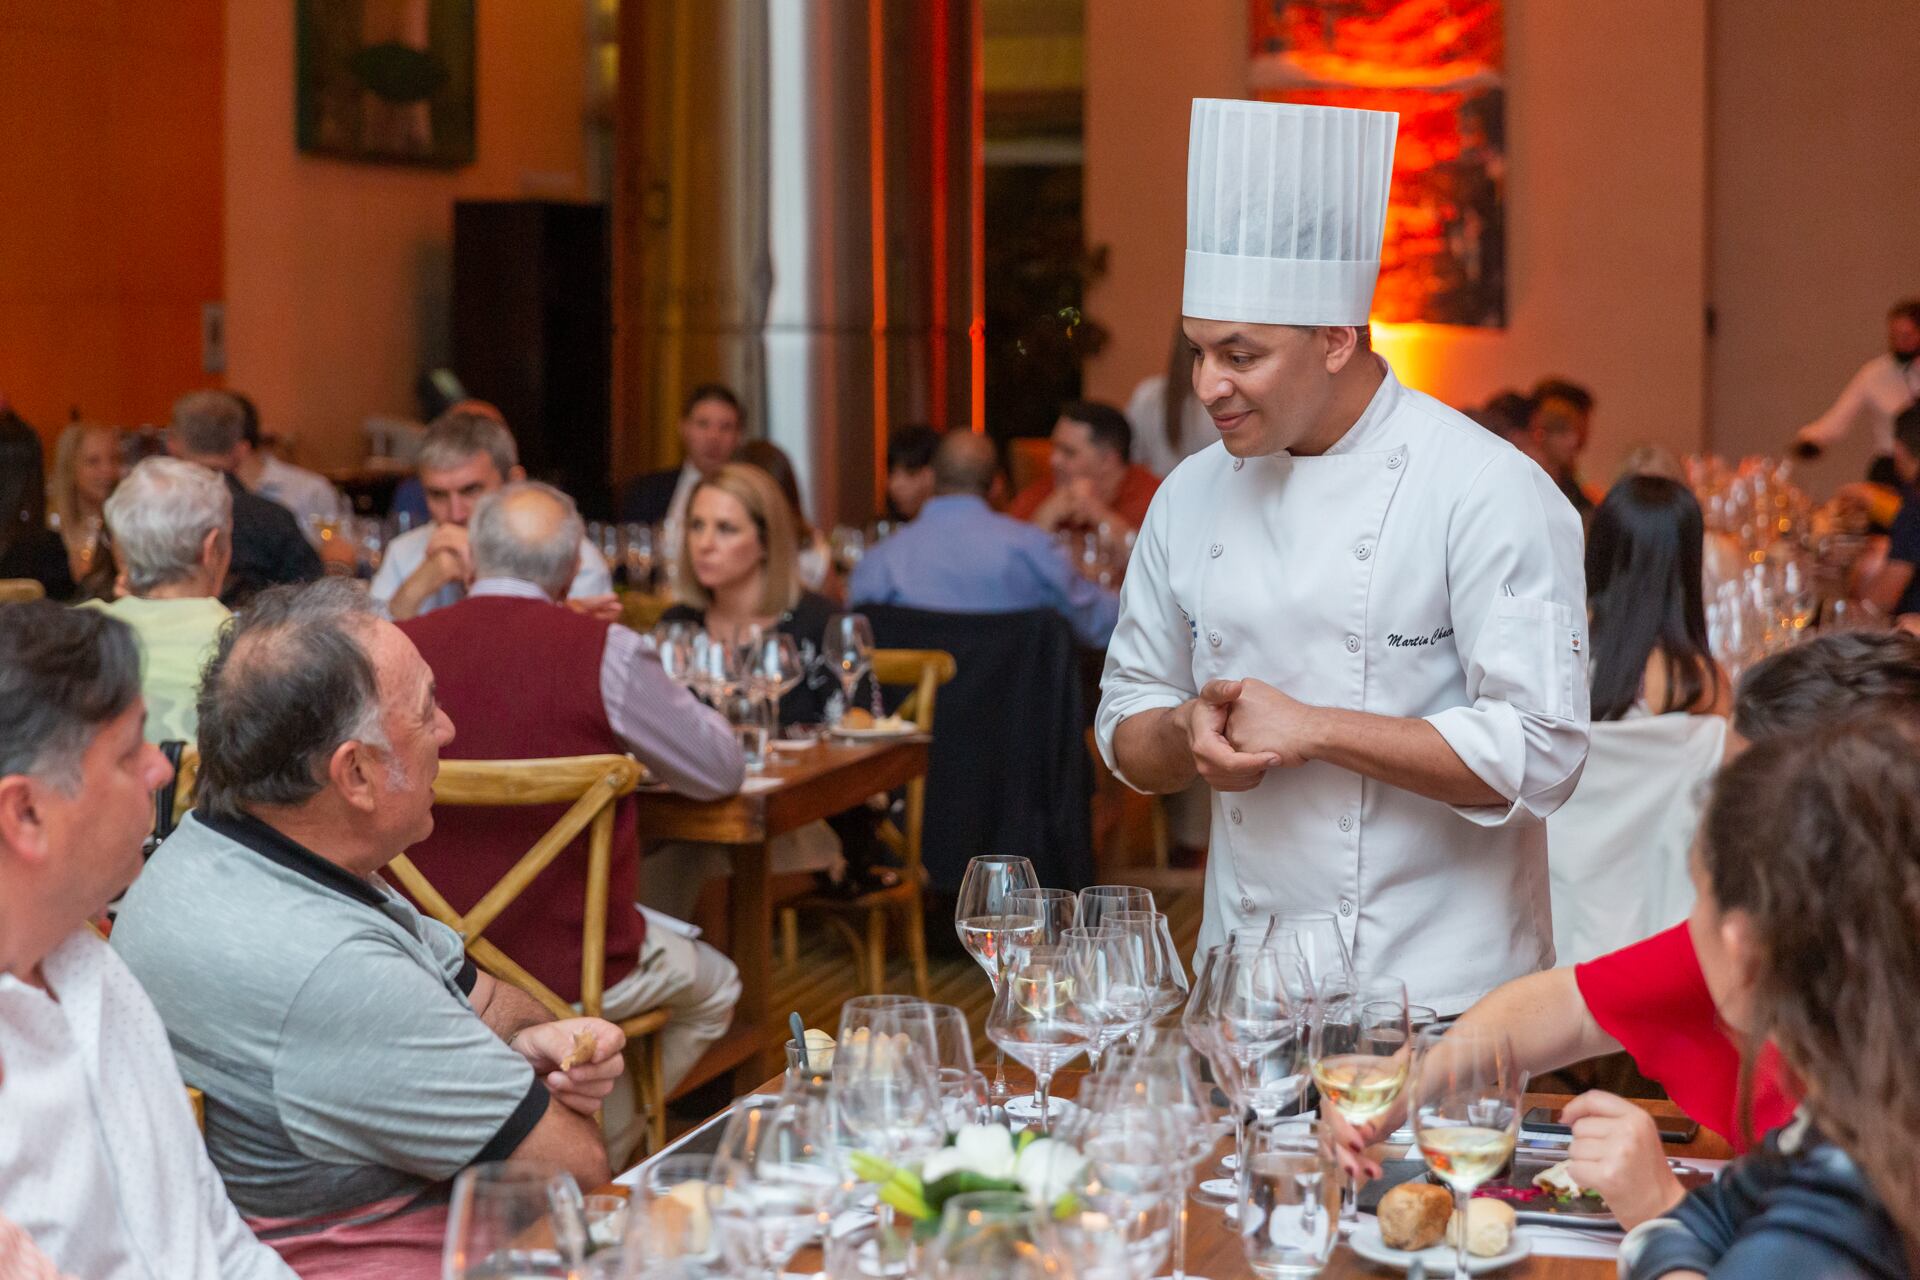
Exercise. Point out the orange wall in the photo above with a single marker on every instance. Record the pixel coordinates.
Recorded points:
(337, 274)
(1606, 205)
(110, 214)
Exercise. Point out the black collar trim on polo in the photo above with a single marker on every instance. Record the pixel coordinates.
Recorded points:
(245, 829)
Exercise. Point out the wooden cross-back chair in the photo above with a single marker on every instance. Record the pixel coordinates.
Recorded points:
(925, 670)
(592, 786)
(21, 590)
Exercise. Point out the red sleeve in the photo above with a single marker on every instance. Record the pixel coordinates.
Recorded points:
(1028, 500)
(1136, 495)
(1653, 998)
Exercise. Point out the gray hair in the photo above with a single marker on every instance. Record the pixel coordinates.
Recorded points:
(289, 682)
(63, 674)
(459, 434)
(208, 422)
(512, 538)
(161, 514)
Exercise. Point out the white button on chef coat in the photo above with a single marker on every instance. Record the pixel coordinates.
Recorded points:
(1469, 612)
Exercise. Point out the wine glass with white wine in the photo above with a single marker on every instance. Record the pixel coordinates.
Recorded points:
(1465, 1091)
(1358, 1051)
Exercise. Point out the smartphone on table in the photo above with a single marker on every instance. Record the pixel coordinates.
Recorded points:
(1673, 1130)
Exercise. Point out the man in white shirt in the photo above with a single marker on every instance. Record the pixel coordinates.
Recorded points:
(1876, 394)
(100, 1162)
(1359, 618)
(468, 453)
(308, 494)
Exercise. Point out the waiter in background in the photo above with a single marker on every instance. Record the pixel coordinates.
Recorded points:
(1359, 617)
(1881, 388)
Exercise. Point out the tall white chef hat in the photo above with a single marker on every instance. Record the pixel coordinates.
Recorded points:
(1286, 207)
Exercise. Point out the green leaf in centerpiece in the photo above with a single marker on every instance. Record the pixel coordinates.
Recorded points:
(957, 1184)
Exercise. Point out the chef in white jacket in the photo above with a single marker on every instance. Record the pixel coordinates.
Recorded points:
(1359, 616)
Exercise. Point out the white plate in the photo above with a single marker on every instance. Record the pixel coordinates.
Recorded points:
(875, 734)
(1366, 1242)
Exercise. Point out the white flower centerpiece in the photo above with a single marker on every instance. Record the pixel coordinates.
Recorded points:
(979, 1158)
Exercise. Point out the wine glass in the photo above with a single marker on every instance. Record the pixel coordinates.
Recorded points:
(1120, 1222)
(1150, 938)
(883, 1076)
(1321, 944)
(1163, 1074)
(989, 929)
(670, 1220)
(957, 1083)
(1097, 901)
(777, 1179)
(848, 648)
(714, 669)
(636, 544)
(1257, 1025)
(1465, 1093)
(1105, 986)
(987, 1235)
(1052, 909)
(674, 643)
(1288, 1217)
(494, 1220)
(1036, 1019)
(1357, 1049)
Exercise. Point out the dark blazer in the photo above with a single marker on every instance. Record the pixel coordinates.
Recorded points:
(37, 552)
(1008, 771)
(268, 548)
(646, 498)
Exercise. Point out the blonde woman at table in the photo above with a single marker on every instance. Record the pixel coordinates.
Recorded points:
(739, 571)
(1808, 880)
(86, 467)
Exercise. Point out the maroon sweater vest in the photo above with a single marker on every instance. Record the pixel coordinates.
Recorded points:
(521, 681)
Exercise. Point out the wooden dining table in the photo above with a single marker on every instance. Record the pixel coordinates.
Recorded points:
(795, 788)
(1213, 1245)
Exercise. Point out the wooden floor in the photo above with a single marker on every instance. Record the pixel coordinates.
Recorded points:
(824, 977)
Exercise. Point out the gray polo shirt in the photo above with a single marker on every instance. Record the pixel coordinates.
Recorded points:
(326, 1020)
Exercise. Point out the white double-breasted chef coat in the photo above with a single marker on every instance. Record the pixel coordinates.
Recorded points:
(1420, 567)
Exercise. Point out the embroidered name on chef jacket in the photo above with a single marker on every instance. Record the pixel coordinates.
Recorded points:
(1398, 641)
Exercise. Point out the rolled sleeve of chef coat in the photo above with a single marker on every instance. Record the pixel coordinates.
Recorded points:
(1150, 658)
(1517, 589)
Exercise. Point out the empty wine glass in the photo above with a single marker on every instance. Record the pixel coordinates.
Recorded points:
(1107, 986)
(989, 928)
(1052, 909)
(883, 1076)
(959, 1085)
(1163, 1075)
(1156, 959)
(1035, 1019)
(1320, 942)
(636, 545)
(673, 641)
(494, 1222)
(1257, 1027)
(1464, 1094)
(1097, 901)
(847, 647)
(670, 1220)
(777, 1179)
(987, 1235)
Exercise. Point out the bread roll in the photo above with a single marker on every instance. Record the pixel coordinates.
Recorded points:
(1414, 1215)
(1489, 1227)
(857, 718)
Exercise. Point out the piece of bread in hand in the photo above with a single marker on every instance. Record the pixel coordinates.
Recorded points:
(1489, 1227)
(581, 1053)
(1414, 1215)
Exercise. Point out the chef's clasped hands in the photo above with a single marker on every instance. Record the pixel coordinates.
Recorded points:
(1239, 729)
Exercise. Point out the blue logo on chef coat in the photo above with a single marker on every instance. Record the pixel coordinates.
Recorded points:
(1193, 628)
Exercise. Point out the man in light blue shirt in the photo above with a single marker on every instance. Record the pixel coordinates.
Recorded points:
(960, 556)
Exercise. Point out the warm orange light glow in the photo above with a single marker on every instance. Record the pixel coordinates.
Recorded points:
(877, 180)
(937, 159)
(976, 269)
(1417, 352)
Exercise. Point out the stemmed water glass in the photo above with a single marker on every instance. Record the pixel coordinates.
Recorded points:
(493, 1221)
(778, 1179)
(1036, 1019)
(1106, 986)
(1099, 900)
(1148, 936)
(1357, 1049)
(847, 647)
(1465, 1093)
(989, 928)
(1256, 1024)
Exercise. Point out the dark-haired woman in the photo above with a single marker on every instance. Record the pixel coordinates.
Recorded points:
(28, 549)
(1808, 901)
(1648, 619)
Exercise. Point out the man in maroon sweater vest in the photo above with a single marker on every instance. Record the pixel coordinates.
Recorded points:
(525, 678)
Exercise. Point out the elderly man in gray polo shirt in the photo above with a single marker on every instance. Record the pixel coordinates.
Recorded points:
(352, 1058)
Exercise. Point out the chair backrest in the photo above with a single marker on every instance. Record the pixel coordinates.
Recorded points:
(1617, 849)
(640, 610)
(1008, 772)
(924, 671)
(591, 786)
(21, 590)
